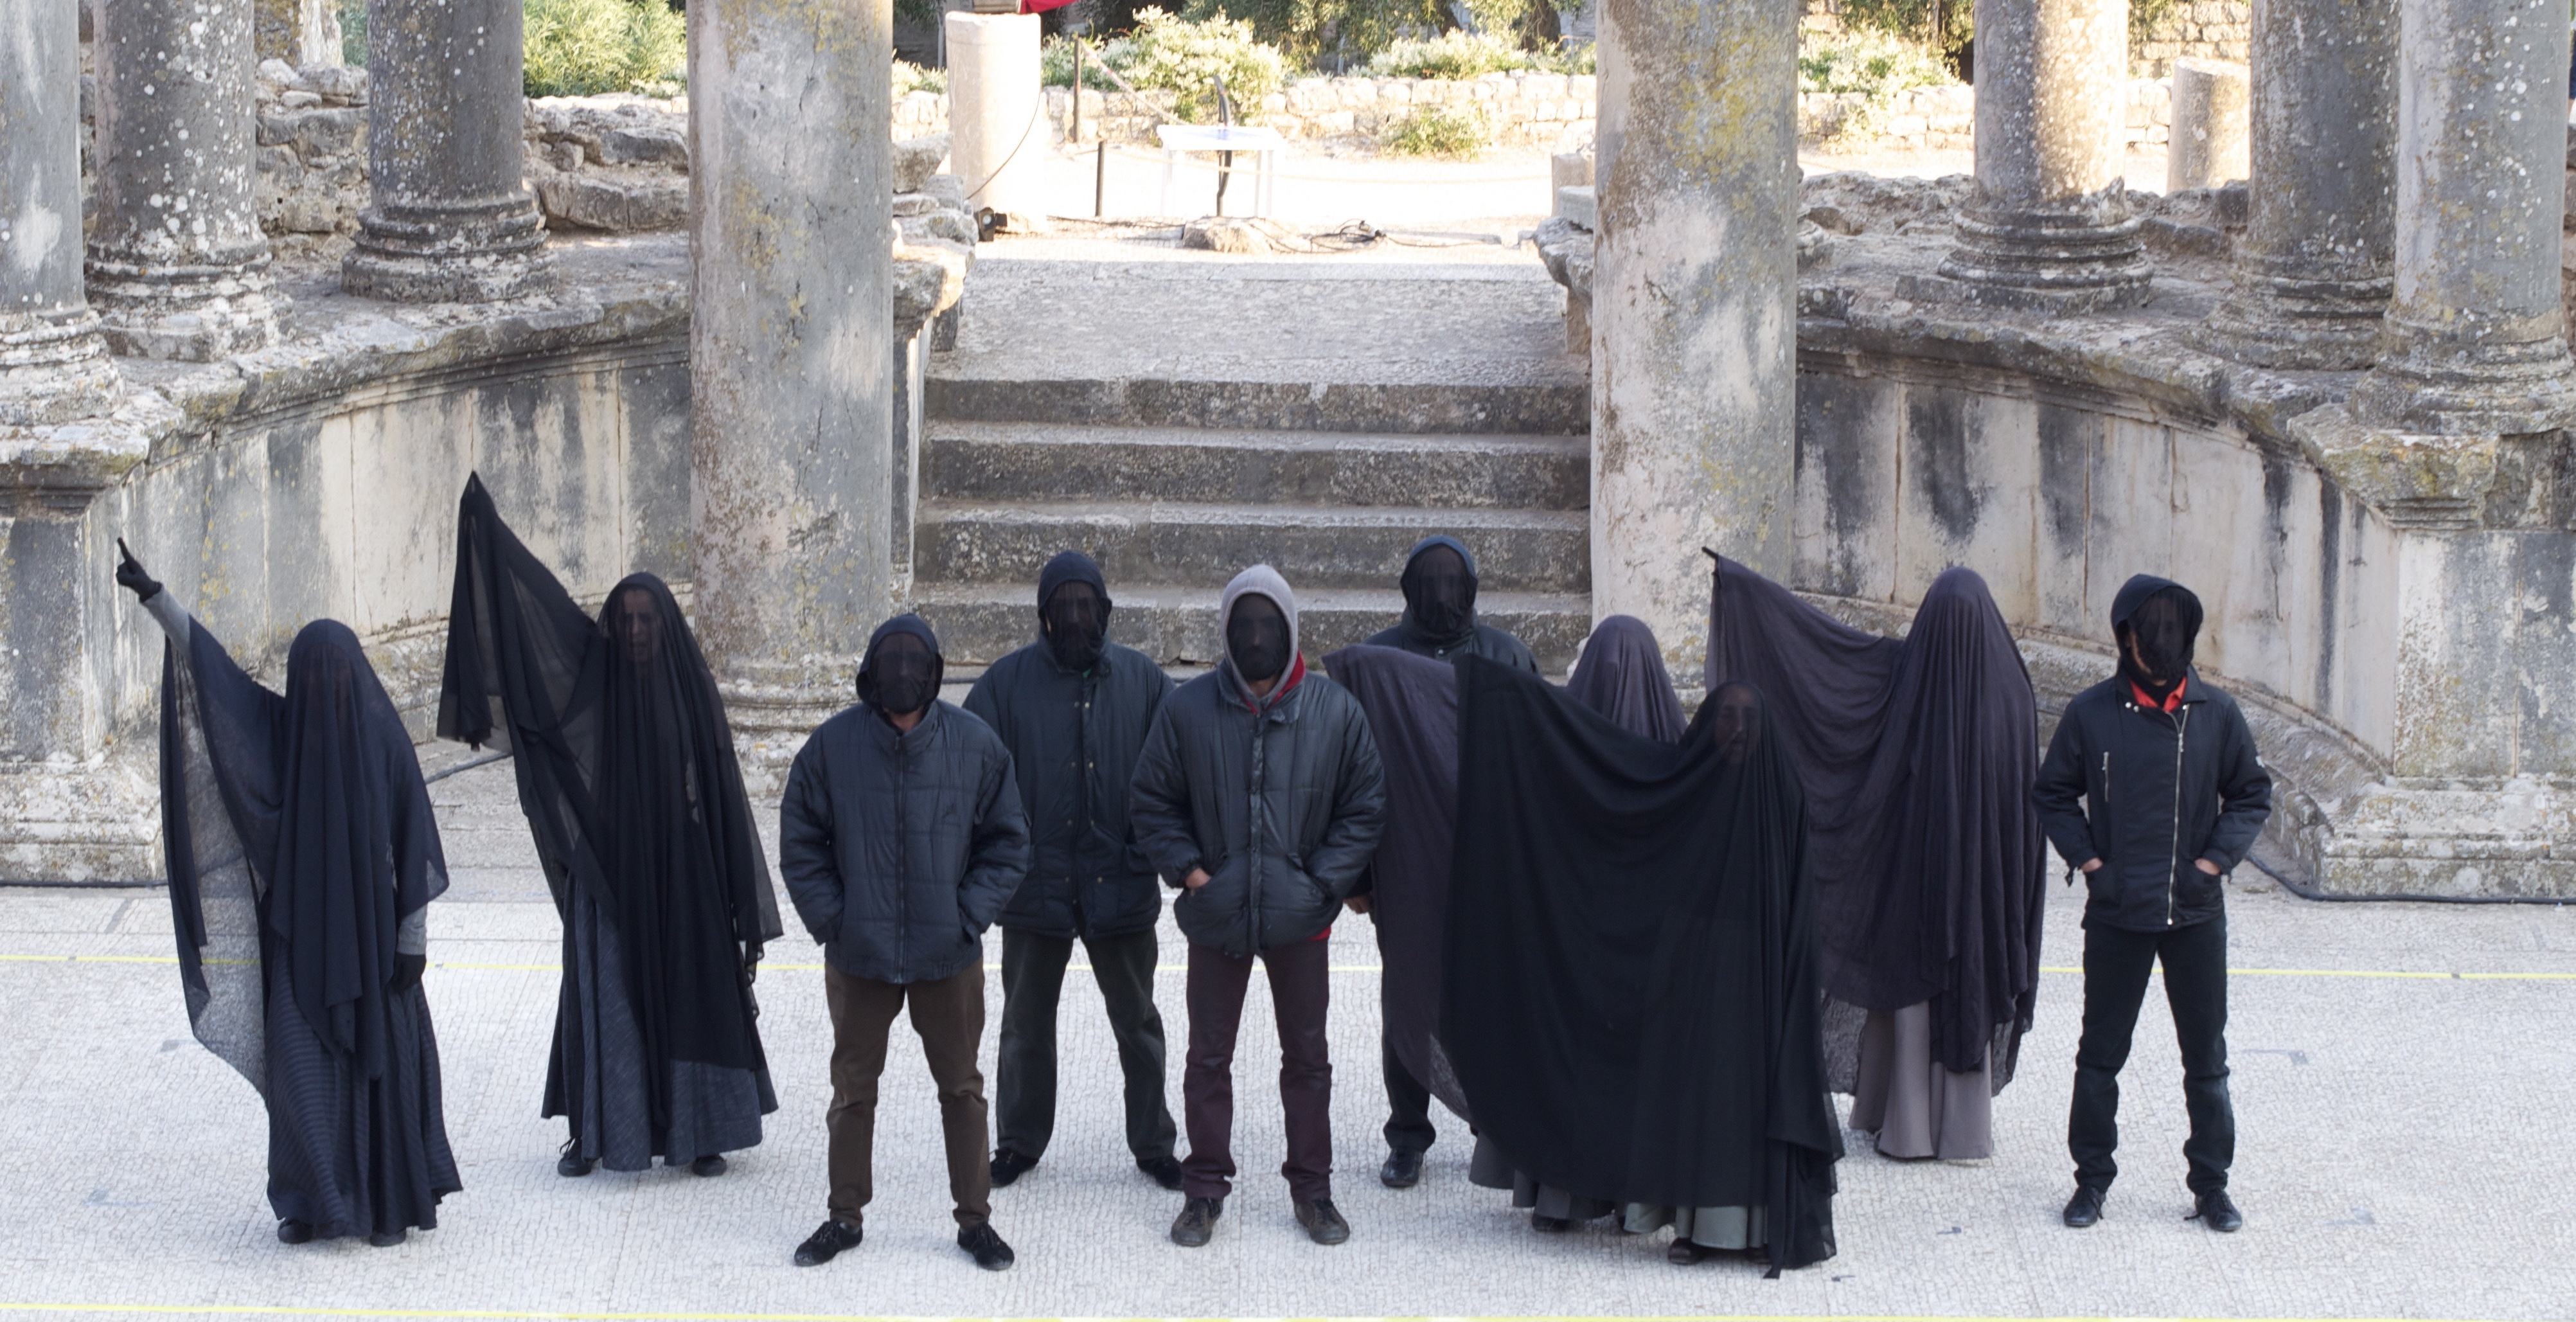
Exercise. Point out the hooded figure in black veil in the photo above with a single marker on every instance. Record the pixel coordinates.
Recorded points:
(303, 856)
(627, 774)
(1631, 978)
(1439, 621)
(1918, 756)
(1621, 675)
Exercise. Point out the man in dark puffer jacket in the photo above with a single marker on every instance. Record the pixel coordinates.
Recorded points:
(1259, 793)
(901, 839)
(2172, 797)
(1073, 708)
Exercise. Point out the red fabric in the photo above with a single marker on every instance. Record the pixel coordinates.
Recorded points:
(2173, 700)
(1041, 6)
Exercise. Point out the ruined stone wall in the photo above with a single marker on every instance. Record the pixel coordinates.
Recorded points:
(1552, 111)
(2198, 29)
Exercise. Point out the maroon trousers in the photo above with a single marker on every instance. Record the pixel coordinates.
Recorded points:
(1300, 988)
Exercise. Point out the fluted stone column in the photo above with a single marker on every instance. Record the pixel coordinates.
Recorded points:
(2476, 338)
(2048, 226)
(2312, 270)
(53, 365)
(1694, 304)
(178, 267)
(791, 353)
(450, 218)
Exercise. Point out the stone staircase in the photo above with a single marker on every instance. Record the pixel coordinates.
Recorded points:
(1178, 476)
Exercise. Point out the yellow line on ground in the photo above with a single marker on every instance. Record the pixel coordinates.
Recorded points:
(583, 1315)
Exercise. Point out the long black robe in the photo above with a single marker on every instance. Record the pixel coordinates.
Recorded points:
(1631, 978)
(1918, 757)
(627, 773)
(300, 842)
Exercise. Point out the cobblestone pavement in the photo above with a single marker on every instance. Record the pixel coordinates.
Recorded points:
(2399, 1072)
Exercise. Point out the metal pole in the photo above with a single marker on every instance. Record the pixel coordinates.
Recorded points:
(1099, 177)
(1076, 135)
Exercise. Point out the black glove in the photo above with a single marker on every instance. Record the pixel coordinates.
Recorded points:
(130, 575)
(407, 971)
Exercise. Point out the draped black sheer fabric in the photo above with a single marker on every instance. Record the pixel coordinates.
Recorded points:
(1621, 675)
(1918, 757)
(1631, 979)
(1412, 706)
(627, 773)
(299, 839)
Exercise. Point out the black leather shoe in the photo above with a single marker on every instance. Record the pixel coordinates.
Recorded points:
(990, 1252)
(385, 1239)
(1164, 1170)
(294, 1232)
(1549, 1225)
(573, 1166)
(1683, 1252)
(1009, 1166)
(1323, 1221)
(2214, 1210)
(1402, 1170)
(826, 1244)
(2084, 1208)
(1197, 1221)
(709, 1166)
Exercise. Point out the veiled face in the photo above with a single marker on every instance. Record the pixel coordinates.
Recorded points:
(2161, 637)
(639, 624)
(1438, 590)
(1736, 723)
(1256, 637)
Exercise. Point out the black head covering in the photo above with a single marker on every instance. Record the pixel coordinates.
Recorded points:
(2164, 617)
(1412, 706)
(903, 680)
(1631, 977)
(1074, 636)
(1621, 675)
(1918, 757)
(1440, 592)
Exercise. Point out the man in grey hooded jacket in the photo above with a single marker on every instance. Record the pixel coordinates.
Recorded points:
(1260, 795)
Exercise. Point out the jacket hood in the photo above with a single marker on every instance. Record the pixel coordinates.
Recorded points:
(1442, 539)
(905, 623)
(1070, 567)
(2134, 594)
(1258, 581)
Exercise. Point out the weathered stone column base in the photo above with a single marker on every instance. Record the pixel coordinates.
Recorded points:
(2511, 840)
(450, 255)
(2081, 257)
(2290, 321)
(2451, 386)
(774, 707)
(56, 371)
(189, 313)
(95, 822)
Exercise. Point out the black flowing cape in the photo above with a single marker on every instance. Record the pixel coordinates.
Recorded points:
(628, 777)
(1621, 675)
(1631, 979)
(1412, 706)
(1918, 757)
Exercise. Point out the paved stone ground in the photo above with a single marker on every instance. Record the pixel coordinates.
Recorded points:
(2399, 1154)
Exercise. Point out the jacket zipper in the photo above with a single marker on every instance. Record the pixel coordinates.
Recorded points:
(1252, 834)
(902, 850)
(2182, 727)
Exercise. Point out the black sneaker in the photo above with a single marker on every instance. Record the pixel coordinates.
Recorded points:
(1197, 1221)
(826, 1244)
(709, 1166)
(1162, 1170)
(1323, 1221)
(990, 1252)
(1682, 1252)
(2084, 1208)
(572, 1166)
(1402, 1170)
(1009, 1166)
(291, 1231)
(2214, 1210)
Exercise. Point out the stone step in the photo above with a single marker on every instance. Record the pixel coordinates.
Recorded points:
(1007, 461)
(1412, 408)
(979, 623)
(1313, 546)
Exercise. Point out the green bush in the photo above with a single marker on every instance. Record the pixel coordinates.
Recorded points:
(1352, 32)
(910, 77)
(1450, 131)
(1873, 64)
(588, 47)
(1449, 55)
(1943, 24)
(1186, 58)
(353, 33)
(1055, 63)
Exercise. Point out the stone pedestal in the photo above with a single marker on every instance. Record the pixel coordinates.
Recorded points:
(2476, 337)
(2048, 226)
(791, 355)
(449, 218)
(998, 131)
(1694, 304)
(2312, 270)
(178, 267)
(2208, 145)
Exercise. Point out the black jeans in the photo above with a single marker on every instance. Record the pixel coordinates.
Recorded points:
(1301, 987)
(2116, 964)
(1032, 983)
(1408, 1103)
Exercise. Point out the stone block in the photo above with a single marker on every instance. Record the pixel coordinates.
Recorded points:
(1405, 92)
(618, 204)
(917, 159)
(315, 133)
(645, 145)
(1583, 86)
(565, 155)
(1579, 205)
(1337, 122)
(1306, 96)
(2211, 103)
(1354, 93)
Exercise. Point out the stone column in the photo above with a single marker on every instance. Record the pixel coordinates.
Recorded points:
(791, 354)
(53, 365)
(178, 267)
(1694, 304)
(2047, 226)
(997, 126)
(449, 216)
(2476, 338)
(2312, 270)
(300, 32)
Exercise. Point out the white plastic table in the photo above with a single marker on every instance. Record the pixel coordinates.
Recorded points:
(1264, 144)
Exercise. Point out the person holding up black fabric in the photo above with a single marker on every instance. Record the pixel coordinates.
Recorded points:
(1631, 999)
(902, 838)
(303, 856)
(1259, 794)
(1073, 709)
(1439, 622)
(627, 775)
(2152, 788)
